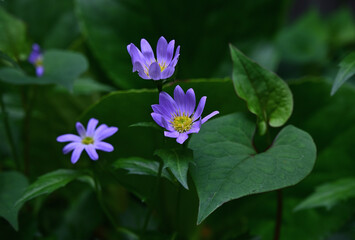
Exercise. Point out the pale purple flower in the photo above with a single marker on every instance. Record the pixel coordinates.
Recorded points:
(89, 139)
(149, 67)
(36, 58)
(178, 116)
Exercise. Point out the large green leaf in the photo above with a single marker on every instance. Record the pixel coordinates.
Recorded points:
(267, 95)
(177, 160)
(228, 167)
(346, 71)
(330, 194)
(61, 67)
(204, 30)
(13, 35)
(12, 186)
(48, 183)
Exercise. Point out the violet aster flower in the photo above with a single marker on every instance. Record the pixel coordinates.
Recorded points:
(178, 116)
(89, 139)
(148, 66)
(36, 58)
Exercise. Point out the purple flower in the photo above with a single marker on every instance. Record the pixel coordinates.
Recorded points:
(178, 116)
(89, 139)
(36, 58)
(148, 66)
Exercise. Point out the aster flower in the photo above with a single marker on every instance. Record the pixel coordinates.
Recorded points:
(178, 116)
(148, 66)
(89, 139)
(36, 58)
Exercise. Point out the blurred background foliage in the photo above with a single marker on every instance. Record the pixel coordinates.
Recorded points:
(302, 41)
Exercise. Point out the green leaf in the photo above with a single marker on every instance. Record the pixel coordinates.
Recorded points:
(48, 183)
(346, 71)
(141, 166)
(177, 160)
(61, 67)
(228, 167)
(267, 95)
(12, 186)
(330, 194)
(146, 124)
(13, 35)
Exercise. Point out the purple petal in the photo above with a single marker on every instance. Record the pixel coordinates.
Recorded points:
(170, 52)
(81, 130)
(68, 138)
(135, 54)
(155, 71)
(76, 153)
(190, 101)
(195, 127)
(91, 127)
(160, 110)
(168, 72)
(200, 107)
(147, 51)
(39, 71)
(179, 97)
(141, 71)
(182, 137)
(176, 57)
(106, 133)
(103, 146)
(209, 116)
(167, 125)
(100, 129)
(158, 119)
(36, 47)
(70, 147)
(174, 134)
(90, 149)
(161, 50)
(168, 103)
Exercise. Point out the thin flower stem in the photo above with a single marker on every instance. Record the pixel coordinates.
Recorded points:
(178, 207)
(9, 133)
(155, 195)
(159, 86)
(278, 215)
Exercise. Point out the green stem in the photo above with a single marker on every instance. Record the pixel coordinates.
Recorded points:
(159, 85)
(178, 207)
(155, 195)
(9, 133)
(278, 219)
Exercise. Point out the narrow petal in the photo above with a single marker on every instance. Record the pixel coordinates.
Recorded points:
(103, 146)
(39, 71)
(155, 71)
(147, 51)
(68, 138)
(168, 72)
(190, 101)
(76, 153)
(200, 107)
(179, 96)
(209, 116)
(170, 52)
(158, 119)
(167, 125)
(135, 54)
(168, 103)
(106, 133)
(195, 127)
(161, 50)
(160, 110)
(176, 57)
(174, 134)
(91, 127)
(90, 149)
(137, 66)
(99, 130)
(81, 130)
(70, 147)
(182, 138)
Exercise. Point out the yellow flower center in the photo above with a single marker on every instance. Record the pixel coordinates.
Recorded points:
(39, 62)
(87, 140)
(162, 66)
(182, 123)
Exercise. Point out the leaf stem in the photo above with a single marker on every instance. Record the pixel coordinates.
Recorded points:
(278, 219)
(9, 132)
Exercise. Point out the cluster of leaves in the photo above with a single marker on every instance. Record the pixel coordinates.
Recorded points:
(204, 188)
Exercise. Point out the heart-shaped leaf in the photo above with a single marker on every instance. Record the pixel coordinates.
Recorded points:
(228, 167)
(267, 95)
(177, 160)
(12, 186)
